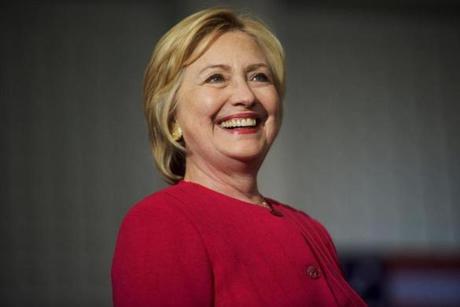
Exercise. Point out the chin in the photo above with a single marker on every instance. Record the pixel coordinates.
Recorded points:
(247, 154)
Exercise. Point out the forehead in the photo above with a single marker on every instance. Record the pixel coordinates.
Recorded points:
(231, 48)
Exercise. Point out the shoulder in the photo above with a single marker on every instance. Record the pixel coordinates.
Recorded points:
(158, 219)
(161, 204)
(157, 253)
(155, 228)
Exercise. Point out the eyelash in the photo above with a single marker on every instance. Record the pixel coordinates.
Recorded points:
(265, 77)
(212, 78)
(217, 78)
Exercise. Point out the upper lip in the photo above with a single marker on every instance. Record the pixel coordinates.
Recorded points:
(239, 115)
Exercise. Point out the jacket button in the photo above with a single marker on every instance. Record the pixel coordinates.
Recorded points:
(313, 272)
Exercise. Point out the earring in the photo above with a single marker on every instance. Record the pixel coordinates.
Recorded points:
(176, 133)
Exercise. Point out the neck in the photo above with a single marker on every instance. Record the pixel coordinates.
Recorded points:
(238, 181)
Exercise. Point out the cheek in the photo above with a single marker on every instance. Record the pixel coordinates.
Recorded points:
(279, 116)
(207, 104)
(272, 104)
(192, 107)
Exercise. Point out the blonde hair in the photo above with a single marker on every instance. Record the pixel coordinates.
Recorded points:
(179, 47)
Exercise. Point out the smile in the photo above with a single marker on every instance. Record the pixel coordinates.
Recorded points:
(239, 123)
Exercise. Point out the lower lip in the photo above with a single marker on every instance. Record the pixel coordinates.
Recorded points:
(245, 130)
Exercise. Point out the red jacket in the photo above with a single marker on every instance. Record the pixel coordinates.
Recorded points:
(190, 246)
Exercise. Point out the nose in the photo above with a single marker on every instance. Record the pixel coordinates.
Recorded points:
(242, 93)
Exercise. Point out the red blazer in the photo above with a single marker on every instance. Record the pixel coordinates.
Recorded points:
(190, 246)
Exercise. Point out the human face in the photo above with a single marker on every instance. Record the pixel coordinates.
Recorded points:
(227, 105)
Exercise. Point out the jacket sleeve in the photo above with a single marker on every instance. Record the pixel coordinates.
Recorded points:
(160, 260)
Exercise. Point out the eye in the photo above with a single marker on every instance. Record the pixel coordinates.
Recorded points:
(215, 78)
(260, 77)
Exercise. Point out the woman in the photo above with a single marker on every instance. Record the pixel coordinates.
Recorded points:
(213, 92)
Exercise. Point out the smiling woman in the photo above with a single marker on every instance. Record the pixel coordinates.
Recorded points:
(213, 92)
(174, 59)
(228, 109)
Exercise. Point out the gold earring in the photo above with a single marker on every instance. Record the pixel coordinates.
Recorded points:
(176, 133)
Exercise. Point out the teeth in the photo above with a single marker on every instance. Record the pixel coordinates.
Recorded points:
(239, 122)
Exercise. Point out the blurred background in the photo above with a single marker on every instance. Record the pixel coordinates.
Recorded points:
(370, 143)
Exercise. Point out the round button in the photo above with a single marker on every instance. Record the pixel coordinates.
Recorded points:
(313, 272)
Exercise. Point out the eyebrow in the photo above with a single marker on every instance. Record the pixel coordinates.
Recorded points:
(222, 66)
(251, 67)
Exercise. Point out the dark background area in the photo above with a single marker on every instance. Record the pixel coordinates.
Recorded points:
(370, 143)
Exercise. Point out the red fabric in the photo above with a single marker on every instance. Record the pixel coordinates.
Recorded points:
(190, 246)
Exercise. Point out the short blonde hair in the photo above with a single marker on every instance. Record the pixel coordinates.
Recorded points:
(179, 47)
